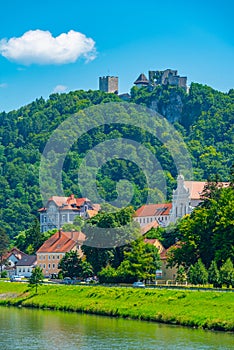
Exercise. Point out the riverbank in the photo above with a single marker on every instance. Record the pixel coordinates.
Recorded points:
(208, 310)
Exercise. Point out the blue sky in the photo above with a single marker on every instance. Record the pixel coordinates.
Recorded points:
(123, 38)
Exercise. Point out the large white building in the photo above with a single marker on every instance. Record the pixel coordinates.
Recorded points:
(63, 210)
(185, 198)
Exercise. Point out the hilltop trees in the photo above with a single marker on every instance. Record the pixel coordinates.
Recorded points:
(25, 132)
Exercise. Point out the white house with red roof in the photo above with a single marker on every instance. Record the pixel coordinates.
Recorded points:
(54, 249)
(185, 198)
(63, 210)
(149, 213)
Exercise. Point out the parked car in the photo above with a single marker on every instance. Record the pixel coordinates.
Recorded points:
(68, 280)
(15, 278)
(138, 284)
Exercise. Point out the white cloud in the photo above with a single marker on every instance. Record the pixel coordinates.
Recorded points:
(40, 47)
(60, 88)
(3, 85)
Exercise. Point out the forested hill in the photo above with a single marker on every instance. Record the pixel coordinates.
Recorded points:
(204, 117)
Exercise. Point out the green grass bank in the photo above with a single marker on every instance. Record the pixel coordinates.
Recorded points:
(209, 310)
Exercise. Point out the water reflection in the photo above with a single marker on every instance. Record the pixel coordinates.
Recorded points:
(42, 329)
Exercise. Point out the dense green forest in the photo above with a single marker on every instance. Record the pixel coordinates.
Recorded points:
(204, 117)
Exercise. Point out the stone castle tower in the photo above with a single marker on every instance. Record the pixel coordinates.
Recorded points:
(109, 84)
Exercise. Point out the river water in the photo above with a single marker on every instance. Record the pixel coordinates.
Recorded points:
(29, 329)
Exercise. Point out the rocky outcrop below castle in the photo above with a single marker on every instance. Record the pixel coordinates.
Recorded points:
(170, 106)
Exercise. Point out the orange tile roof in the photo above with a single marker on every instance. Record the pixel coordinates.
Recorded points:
(80, 201)
(154, 210)
(144, 229)
(59, 201)
(91, 213)
(61, 242)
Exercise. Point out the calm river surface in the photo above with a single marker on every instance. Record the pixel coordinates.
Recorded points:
(41, 329)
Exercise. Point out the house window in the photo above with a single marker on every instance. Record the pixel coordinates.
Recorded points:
(53, 257)
(53, 266)
(23, 269)
(140, 221)
(19, 270)
(49, 257)
(58, 257)
(49, 266)
(44, 266)
(144, 220)
(28, 269)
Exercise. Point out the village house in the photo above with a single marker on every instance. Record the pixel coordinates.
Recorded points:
(10, 260)
(165, 273)
(168, 273)
(25, 266)
(63, 210)
(54, 249)
(153, 212)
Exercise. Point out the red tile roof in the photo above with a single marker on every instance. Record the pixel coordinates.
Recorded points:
(154, 210)
(144, 229)
(14, 251)
(62, 242)
(163, 255)
(65, 203)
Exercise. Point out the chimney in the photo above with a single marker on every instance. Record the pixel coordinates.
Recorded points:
(60, 233)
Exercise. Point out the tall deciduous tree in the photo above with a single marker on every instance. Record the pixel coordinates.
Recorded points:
(214, 275)
(36, 279)
(34, 237)
(4, 242)
(140, 263)
(73, 266)
(227, 273)
(125, 231)
(198, 273)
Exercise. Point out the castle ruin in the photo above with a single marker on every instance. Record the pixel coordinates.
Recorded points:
(109, 84)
